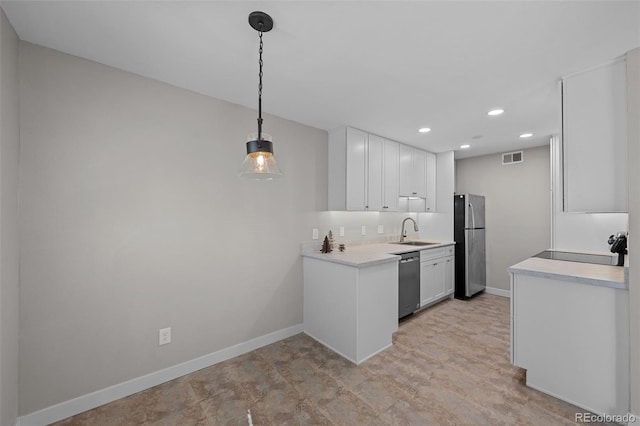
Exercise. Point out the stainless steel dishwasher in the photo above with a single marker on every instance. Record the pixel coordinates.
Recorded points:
(409, 284)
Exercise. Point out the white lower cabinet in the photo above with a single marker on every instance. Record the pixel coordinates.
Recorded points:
(573, 340)
(436, 275)
(431, 281)
(449, 275)
(351, 310)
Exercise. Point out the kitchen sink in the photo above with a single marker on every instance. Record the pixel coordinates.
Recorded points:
(415, 243)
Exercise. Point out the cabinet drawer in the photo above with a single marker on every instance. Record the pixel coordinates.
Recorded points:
(432, 253)
(436, 253)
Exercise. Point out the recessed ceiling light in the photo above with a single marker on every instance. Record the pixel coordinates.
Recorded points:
(465, 146)
(424, 130)
(496, 111)
(526, 135)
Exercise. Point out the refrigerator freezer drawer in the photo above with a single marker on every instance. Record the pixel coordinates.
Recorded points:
(475, 265)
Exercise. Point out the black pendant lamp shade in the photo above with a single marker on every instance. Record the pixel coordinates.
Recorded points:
(260, 162)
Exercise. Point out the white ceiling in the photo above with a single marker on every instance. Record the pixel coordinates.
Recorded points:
(385, 67)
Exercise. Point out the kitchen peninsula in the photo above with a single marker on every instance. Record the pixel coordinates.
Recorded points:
(351, 297)
(570, 331)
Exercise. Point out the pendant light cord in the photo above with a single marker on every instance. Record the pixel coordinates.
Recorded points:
(260, 93)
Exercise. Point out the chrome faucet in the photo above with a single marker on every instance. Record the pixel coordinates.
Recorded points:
(403, 234)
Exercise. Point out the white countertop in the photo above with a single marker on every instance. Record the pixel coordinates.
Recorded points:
(585, 273)
(372, 254)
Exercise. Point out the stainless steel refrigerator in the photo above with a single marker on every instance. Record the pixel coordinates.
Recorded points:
(469, 235)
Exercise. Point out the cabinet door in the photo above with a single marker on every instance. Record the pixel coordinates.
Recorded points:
(594, 133)
(391, 176)
(375, 149)
(356, 169)
(406, 171)
(427, 273)
(438, 283)
(431, 182)
(449, 275)
(419, 173)
(432, 275)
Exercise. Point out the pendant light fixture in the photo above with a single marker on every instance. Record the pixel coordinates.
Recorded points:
(260, 162)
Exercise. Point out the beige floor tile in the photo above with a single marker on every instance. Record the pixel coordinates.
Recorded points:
(449, 365)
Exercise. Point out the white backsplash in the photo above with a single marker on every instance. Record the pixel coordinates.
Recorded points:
(354, 221)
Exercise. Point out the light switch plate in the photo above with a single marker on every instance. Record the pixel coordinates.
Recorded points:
(342, 231)
(380, 229)
(363, 230)
(315, 234)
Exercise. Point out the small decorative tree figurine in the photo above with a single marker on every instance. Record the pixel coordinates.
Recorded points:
(326, 246)
(332, 243)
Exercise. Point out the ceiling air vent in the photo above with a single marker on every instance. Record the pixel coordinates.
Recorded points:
(512, 157)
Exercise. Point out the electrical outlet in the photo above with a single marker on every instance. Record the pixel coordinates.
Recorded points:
(380, 229)
(164, 336)
(363, 230)
(342, 231)
(315, 234)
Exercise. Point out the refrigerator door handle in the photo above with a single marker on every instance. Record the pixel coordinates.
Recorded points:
(473, 216)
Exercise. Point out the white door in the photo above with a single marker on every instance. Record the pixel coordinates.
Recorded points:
(427, 273)
(431, 182)
(439, 279)
(356, 169)
(419, 173)
(432, 275)
(406, 171)
(375, 175)
(449, 275)
(391, 176)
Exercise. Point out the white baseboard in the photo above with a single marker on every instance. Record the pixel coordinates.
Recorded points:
(498, 291)
(348, 358)
(103, 396)
(584, 407)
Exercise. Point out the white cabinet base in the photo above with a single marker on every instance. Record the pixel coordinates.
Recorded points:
(437, 275)
(353, 311)
(573, 340)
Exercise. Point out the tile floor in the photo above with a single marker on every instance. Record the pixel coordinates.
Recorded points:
(449, 365)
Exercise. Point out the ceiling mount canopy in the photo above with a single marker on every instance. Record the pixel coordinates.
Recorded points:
(260, 21)
(260, 162)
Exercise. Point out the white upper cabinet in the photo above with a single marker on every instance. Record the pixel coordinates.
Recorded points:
(420, 173)
(375, 174)
(406, 171)
(363, 171)
(391, 179)
(356, 197)
(413, 172)
(431, 182)
(594, 130)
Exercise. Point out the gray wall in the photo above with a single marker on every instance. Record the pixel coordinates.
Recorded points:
(133, 219)
(9, 294)
(517, 210)
(633, 125)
